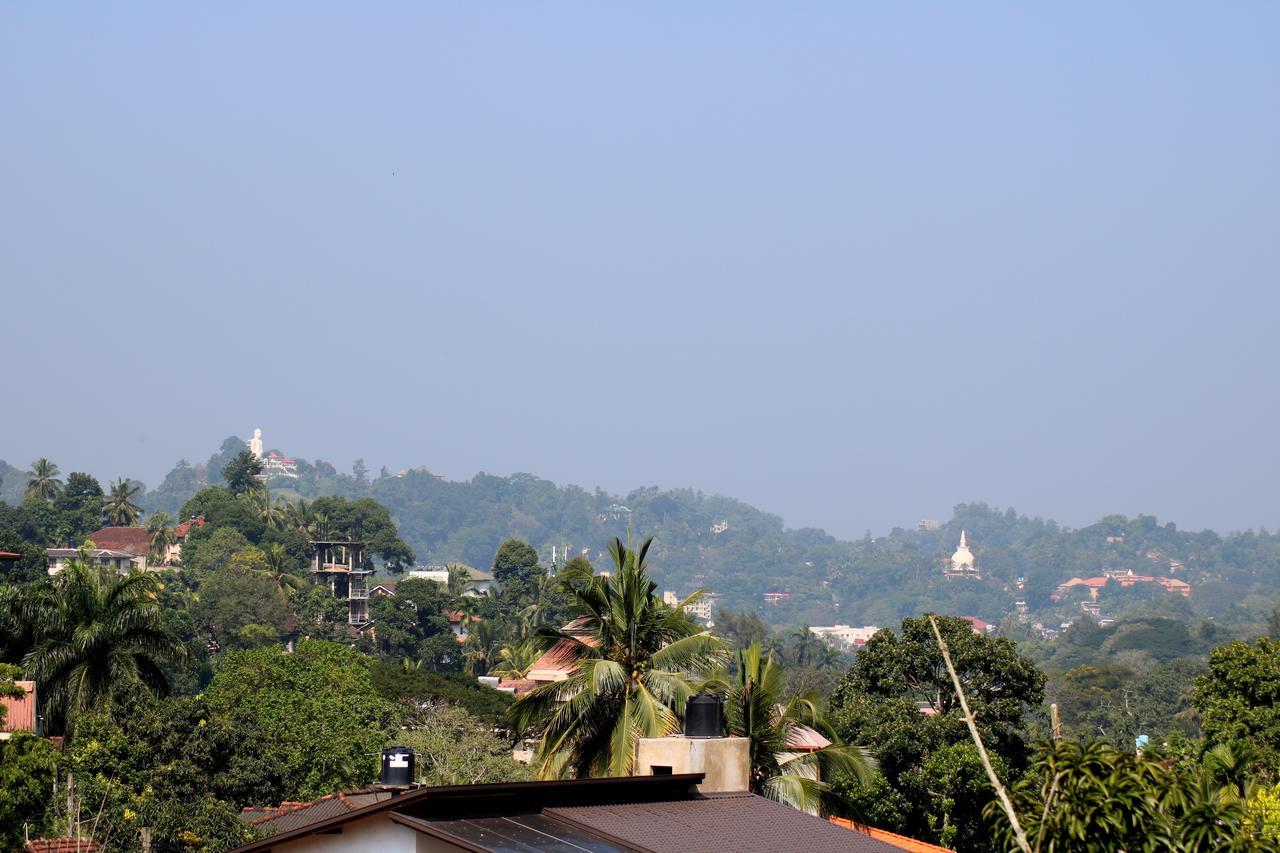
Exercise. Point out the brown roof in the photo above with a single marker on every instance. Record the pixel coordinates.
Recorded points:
(291, 815)
(131, 540)
(520, 685)
(61, 845)
(741, 822)
(20, 712)
(10, 555)
(184, 528)
(902, 842)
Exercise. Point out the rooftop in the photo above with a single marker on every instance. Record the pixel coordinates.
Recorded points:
(637, 813)
(131, 540)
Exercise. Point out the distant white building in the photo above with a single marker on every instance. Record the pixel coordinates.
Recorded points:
(845, 636)
(122, 562)
(478, 583)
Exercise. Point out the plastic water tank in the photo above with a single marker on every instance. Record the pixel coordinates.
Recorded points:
(704, 716)
(397, 767)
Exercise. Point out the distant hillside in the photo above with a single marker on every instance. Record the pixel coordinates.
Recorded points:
(740, 552)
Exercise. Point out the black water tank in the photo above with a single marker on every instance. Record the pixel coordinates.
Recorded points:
(397, 766)
(704, 716)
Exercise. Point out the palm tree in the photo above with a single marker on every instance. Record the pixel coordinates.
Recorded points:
(635, 658)
(484, 647)
(99, 638)
(459, 576)
(277, 569)
(160, 526)
(517, 659)
(42, 480)
(756, 710)
(299, 516)
(120, 510)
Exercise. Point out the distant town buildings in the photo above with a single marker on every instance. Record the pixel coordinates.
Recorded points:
(276, 464)
(929, 524)
(775, 597)
(962, 564)
(1126, 579)
(845, 636)
(719, 527)
(700, 609)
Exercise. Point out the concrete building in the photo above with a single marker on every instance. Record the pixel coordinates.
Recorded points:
(103, 558)
(479, 582)
(845, 636)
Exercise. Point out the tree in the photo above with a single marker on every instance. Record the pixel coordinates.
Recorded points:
(160, 527)
(515, 567)
(81, 488)
(1239, 699)
(119, 508)
(633, 655)
(241, 473)
(879, 703)
(241, 596)
(516, 659)
(42, 480)
(317, 707)
(28, 766)
(454, 748)
(98, 638)
(1091, 796)
(758, 709)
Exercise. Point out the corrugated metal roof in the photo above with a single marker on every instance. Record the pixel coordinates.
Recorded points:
(740, 822)
(294, 815)
(20, 712)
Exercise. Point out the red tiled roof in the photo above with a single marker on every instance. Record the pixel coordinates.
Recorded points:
(563, 654)
(10, 555)
(131, 540)
(61, 845)
(20, 712)
(520, 685)
(184, 528)
(902, 842)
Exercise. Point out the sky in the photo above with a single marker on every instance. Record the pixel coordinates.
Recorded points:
(851, 263)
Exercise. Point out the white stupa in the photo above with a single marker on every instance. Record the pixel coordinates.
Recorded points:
(962, 560)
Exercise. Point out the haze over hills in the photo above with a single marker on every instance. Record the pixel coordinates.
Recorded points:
(741, 553)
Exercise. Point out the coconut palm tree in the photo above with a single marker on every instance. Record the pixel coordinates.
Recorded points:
(98, 637)
(484, 647)
(459, 576)
(42, 480)
(160, 526)
(635, 658)
(516, 659)
(277, 560)
(757, 709)
(119, 508)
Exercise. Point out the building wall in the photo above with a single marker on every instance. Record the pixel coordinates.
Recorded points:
(378, 832)
(726, 761)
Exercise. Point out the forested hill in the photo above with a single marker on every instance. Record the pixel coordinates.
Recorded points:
(740, 553)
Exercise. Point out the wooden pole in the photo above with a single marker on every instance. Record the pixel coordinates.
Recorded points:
(1001, 793)
(1055, 722)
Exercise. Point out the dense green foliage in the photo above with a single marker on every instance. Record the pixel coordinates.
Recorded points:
(317, 706)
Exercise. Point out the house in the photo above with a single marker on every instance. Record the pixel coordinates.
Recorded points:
(121, 561)
(479, 583)
(845, 636)
(775, 597)
(20, 711)
(980, 627)
(173, 557)
(130, 540)
(666, 812)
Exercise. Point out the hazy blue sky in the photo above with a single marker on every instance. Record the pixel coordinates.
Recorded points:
(851, 263)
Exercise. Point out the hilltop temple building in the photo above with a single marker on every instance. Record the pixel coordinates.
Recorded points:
(962, 564)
